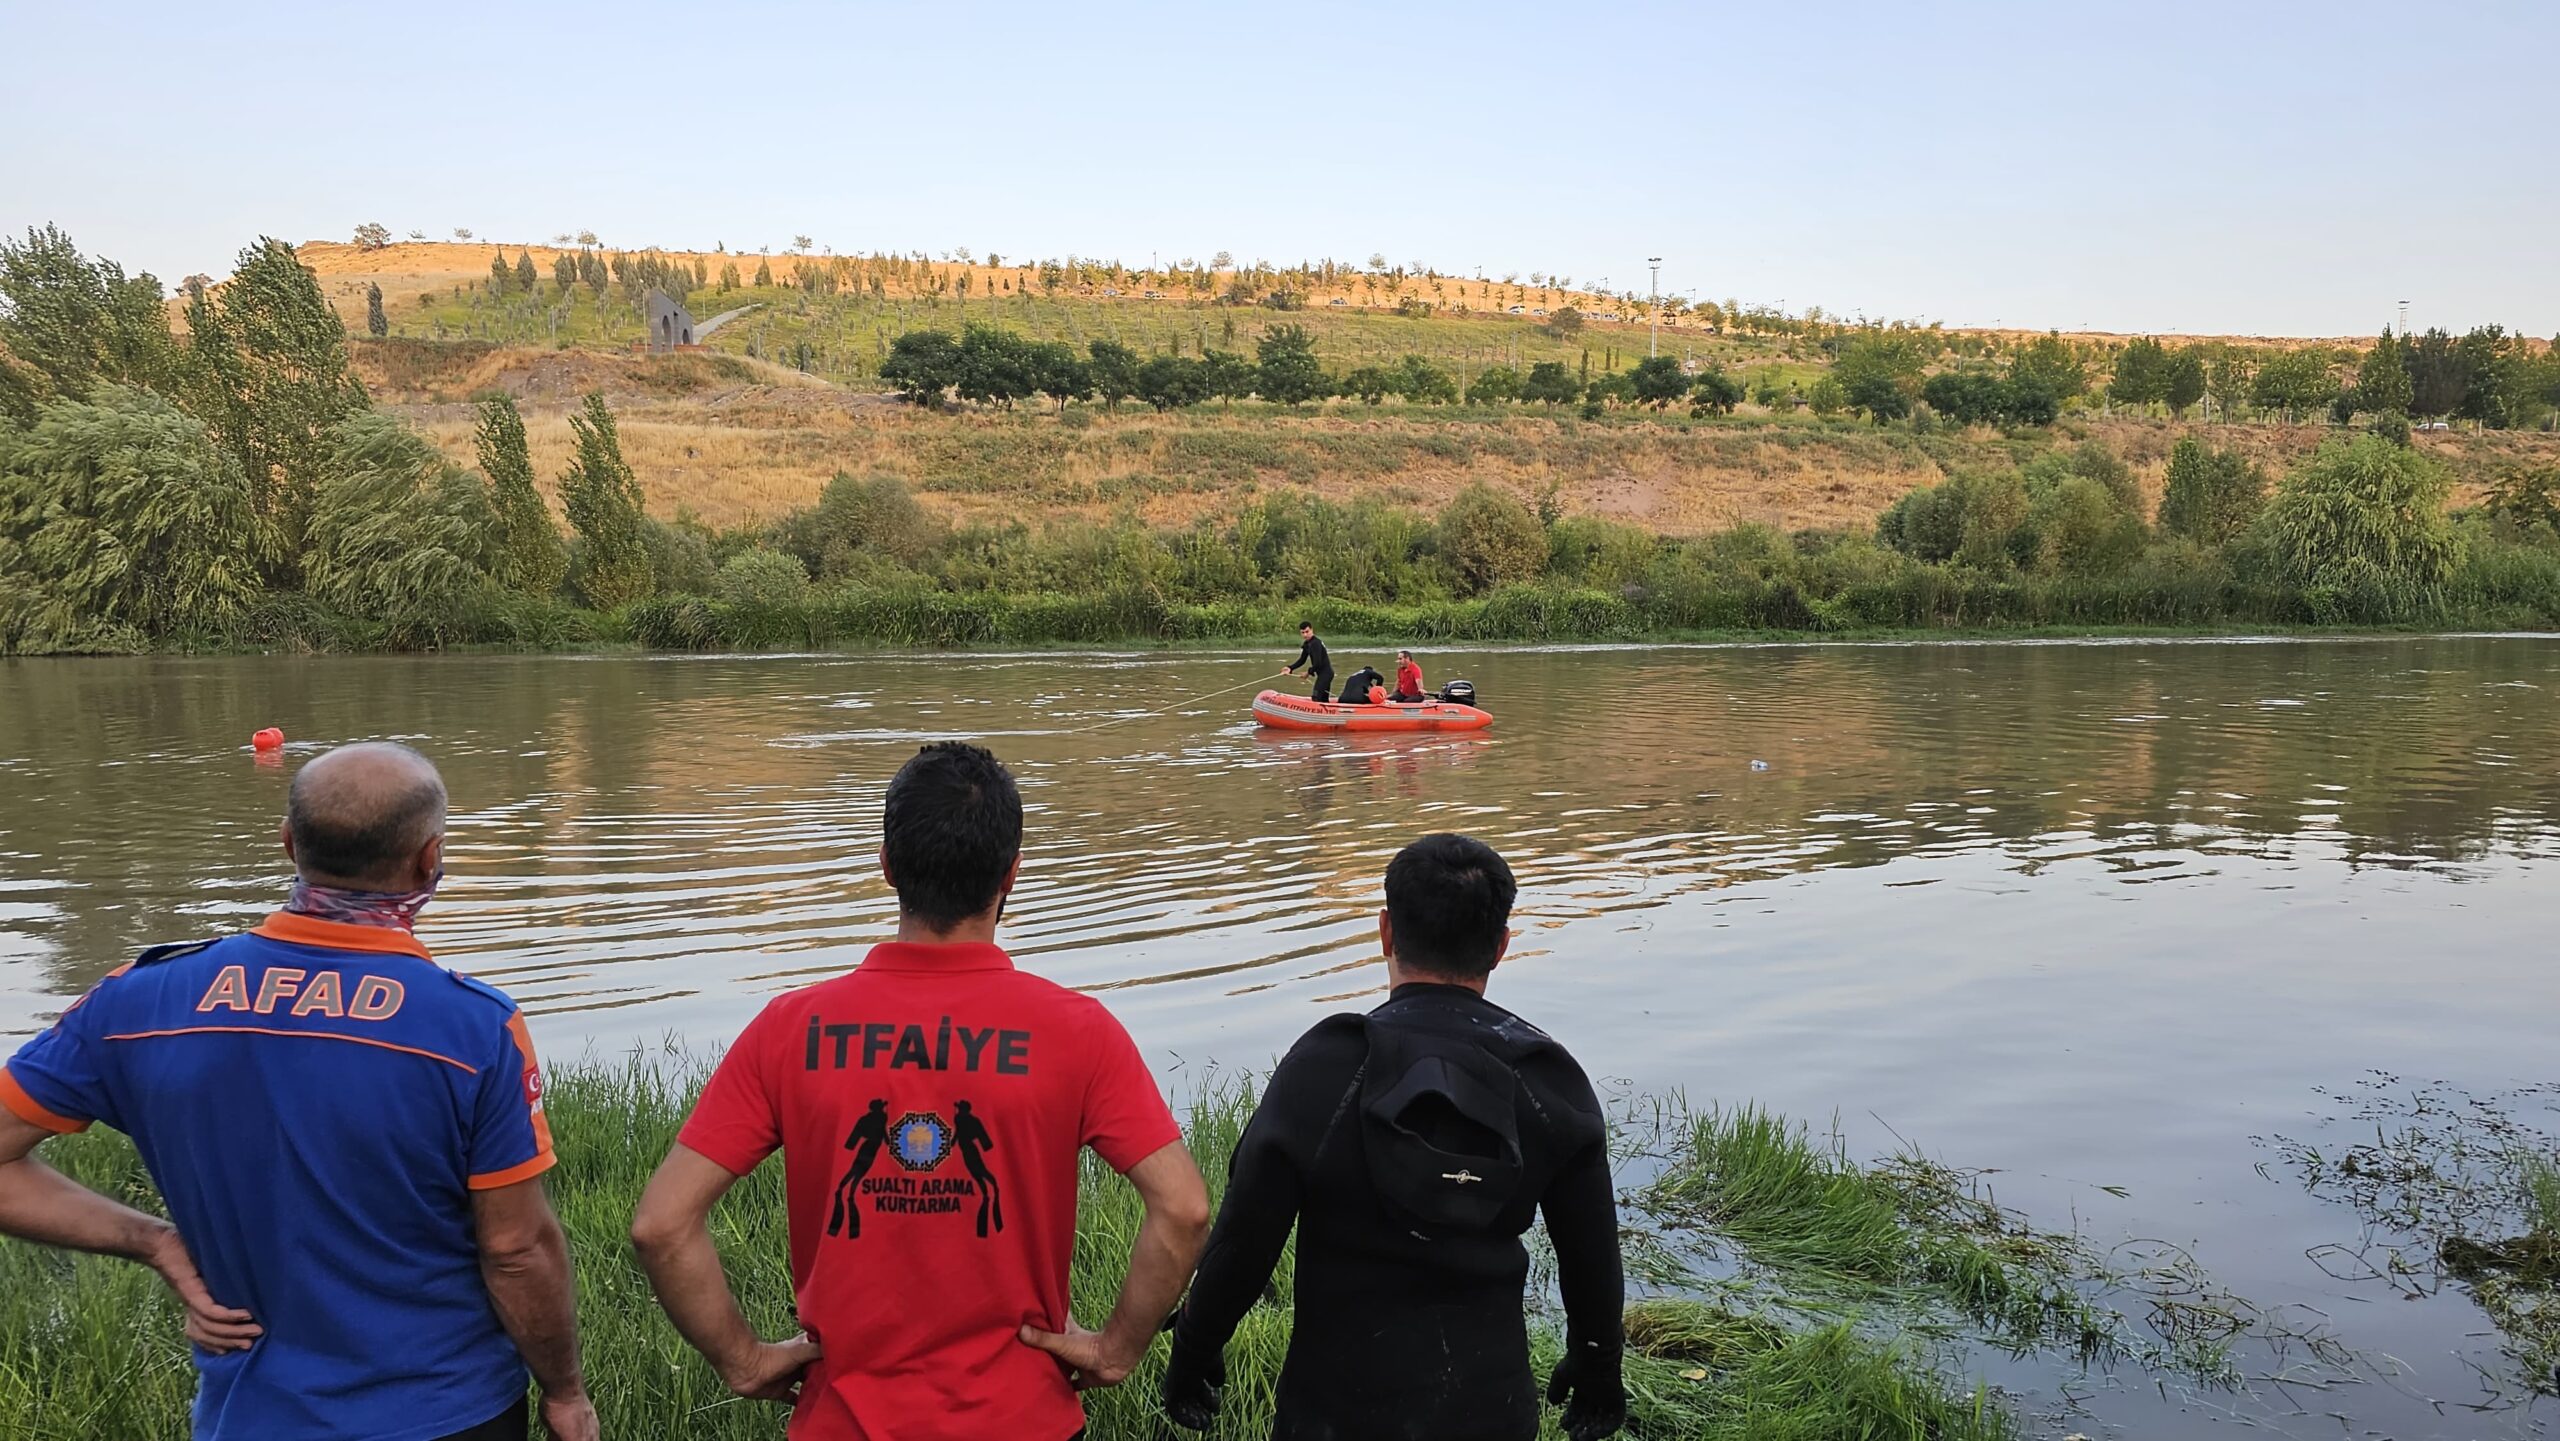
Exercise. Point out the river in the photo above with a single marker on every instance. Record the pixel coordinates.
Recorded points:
(2096, 915)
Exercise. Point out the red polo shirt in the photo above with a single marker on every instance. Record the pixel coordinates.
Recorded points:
(929, 1107)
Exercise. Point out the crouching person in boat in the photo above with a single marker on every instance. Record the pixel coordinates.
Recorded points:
(1365, 687)
(1411, 1148)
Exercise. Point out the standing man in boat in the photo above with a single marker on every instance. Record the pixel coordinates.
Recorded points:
(1311, 654)
(1411, 1148)
(1408, 680)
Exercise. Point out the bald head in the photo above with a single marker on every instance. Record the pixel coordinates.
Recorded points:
(367, 817)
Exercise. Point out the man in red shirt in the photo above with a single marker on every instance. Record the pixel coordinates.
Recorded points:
(930, 1106)
(1408, 679)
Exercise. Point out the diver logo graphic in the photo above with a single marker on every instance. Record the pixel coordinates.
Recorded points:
(869, 1134)
(920, 1140)
(975, 1142)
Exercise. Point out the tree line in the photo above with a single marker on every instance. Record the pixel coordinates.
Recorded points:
(990, 365)
(234, 485)
(1884, 374)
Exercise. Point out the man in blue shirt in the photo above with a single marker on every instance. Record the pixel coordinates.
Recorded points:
(350, 1139)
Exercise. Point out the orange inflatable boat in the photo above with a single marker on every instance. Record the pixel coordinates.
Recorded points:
(1297, 713)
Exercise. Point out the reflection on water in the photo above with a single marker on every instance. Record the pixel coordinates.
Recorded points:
(2090, 912)
(637, 832)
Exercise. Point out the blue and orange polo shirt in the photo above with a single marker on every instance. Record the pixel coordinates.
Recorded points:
(317, 1101)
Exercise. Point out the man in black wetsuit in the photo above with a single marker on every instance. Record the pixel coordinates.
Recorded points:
(1411, 1147)
(1311, 654)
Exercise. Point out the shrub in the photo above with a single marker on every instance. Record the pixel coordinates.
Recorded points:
(2211, 495)
(762, 580)
(2080, 528)
(858, 528)
(1491, 539)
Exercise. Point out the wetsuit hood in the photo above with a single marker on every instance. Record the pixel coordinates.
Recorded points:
(1440, 1116)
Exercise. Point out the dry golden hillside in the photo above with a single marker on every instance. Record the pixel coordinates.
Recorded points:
(738, 443)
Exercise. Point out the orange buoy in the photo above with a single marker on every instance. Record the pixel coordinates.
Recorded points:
(269, 739)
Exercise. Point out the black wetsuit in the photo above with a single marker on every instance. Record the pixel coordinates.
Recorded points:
(1355, 691)
(1399, 1334)
(1312, 655)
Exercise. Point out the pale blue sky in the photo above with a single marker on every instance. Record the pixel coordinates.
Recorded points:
(2275, 168)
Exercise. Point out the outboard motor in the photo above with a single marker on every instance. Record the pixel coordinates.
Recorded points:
(1459, 692)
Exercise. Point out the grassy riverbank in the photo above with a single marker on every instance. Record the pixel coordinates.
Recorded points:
(1142, 588)
(1786, 1291)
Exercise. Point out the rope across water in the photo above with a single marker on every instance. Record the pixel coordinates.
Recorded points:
(1172, 705)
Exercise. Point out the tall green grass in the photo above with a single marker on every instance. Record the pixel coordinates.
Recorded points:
(90, 1349)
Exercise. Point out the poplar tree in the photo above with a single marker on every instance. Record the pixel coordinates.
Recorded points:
(267, 371)
(502, 278)
(376, 324)
(529, 557)
(525, 274)
(603, 500)
(2183, 384)
(2382, 381)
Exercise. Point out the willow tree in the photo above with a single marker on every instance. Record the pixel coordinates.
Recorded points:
(397, 533)
(611, 565)
(120, 512)
(80, 322)
(529, 557)
(2360, 529)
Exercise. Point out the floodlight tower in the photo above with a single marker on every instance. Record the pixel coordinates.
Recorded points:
(1653, 342)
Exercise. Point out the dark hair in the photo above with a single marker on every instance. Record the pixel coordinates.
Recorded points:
(1306, 625)
(950, 829)
(1448, 899)
(346, 830)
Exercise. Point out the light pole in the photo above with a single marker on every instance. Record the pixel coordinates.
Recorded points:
(1653, 342)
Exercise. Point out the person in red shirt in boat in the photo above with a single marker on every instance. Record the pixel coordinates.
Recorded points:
(930, 1106)
(1408, 679)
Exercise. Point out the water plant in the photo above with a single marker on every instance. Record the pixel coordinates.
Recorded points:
(2452, 1189)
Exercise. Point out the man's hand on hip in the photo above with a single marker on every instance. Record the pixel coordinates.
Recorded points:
(571, 1417)
(210, 1325)
(1093, 1360)
(772, 1371)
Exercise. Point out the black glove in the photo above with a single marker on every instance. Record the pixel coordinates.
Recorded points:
(1191, 1387)
(1588, 1386)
